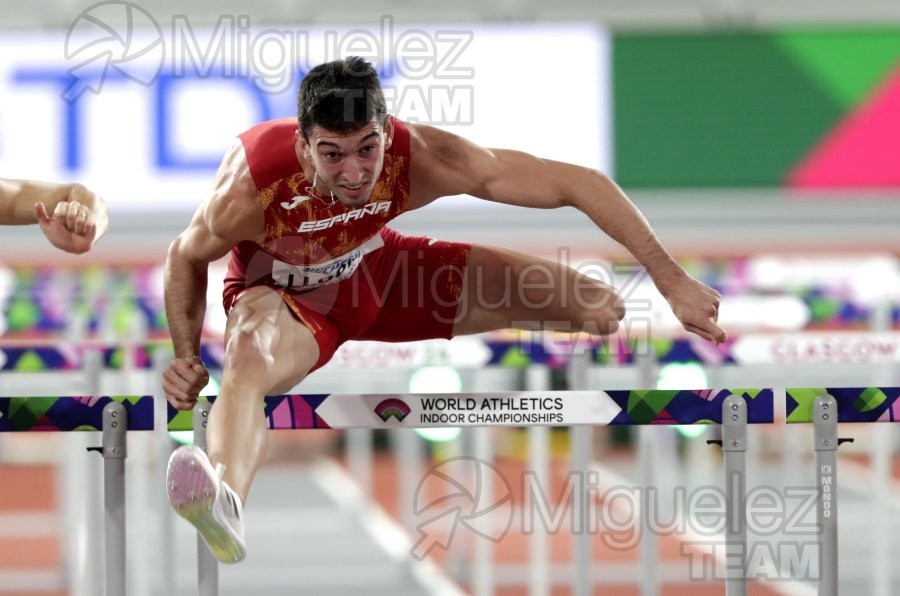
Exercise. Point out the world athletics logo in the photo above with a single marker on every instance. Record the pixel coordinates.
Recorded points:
(392, 408)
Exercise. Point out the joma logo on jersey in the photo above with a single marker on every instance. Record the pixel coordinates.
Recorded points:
(324, 224)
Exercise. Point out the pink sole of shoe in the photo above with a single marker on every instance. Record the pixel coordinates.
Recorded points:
(192, 494)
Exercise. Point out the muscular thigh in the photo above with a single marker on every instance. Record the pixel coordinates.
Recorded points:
(263, 333)
(508, 289)
(423, 286)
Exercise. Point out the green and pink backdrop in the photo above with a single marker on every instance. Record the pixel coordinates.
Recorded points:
(804, 109)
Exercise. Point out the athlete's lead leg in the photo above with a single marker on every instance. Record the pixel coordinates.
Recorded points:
(266, 351)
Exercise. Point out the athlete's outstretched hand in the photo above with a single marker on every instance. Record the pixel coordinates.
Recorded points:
(696, 305)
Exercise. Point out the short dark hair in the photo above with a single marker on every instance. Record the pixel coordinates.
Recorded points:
(340, 96)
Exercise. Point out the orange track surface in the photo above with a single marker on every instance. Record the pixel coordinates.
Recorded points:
(33, 489)
(514, 547)
(28, 489)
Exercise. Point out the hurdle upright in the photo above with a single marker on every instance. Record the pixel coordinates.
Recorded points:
(825, 408)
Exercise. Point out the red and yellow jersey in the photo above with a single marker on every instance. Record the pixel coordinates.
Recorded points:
(307, 241)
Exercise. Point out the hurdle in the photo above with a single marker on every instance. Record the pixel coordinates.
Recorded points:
(113, 416)
(731, 408)
(825, 408)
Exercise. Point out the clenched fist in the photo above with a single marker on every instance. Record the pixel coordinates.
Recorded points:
(71, 228)
(183, 380)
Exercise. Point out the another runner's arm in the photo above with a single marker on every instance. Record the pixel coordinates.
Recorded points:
(18, 199)
(71, 216)
(229, 216)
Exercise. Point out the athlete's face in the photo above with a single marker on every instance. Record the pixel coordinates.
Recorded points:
(348, 164)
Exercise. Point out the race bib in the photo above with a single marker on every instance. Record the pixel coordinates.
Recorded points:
(301, 277)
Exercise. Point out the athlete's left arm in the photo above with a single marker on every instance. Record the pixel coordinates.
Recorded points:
(444, 164)
(71, 216)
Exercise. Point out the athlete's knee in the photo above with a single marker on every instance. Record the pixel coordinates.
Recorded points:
(618, 308)
(613, 318)
(608, 319)
(245, 349)
(249, 335)
(604, 309)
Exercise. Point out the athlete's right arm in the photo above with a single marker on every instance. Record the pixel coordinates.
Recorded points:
(230, 215)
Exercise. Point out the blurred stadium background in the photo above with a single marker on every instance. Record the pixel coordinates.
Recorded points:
(760, 138)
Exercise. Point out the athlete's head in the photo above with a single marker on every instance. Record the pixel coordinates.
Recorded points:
(344, 129)
(341, 96)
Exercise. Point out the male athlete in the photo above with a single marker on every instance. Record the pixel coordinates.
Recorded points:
(79, 218)
(302, 210)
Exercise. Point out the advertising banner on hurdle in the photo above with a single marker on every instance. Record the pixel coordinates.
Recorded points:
(854, 404)
(71, 413)
(521, 408)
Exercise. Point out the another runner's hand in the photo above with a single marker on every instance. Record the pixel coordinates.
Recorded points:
(182, 382)
(71, 227)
